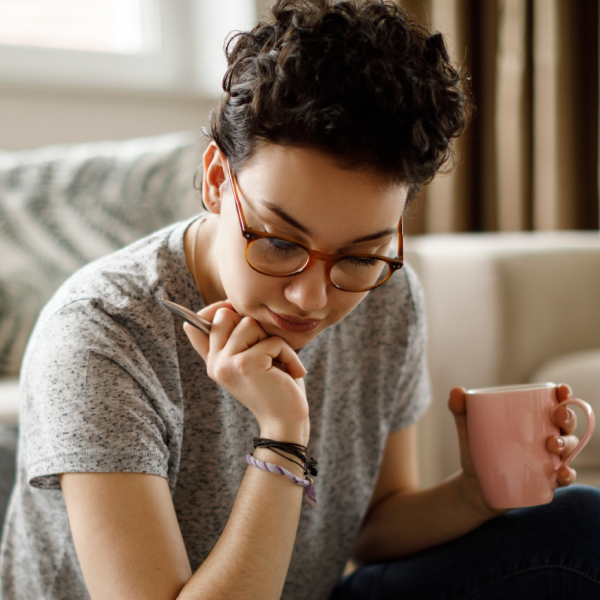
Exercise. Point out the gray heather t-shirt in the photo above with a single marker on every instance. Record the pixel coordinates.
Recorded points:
(111, 383)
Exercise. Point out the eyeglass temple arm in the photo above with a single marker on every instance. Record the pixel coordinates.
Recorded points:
(238, 205)
(401, 240)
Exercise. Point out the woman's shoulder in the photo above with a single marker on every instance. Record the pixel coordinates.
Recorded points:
(112, 304)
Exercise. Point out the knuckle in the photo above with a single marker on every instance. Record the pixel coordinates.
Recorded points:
(247, 323)
(242, 364)
(219, 314)
(219, 371)
(212, 372)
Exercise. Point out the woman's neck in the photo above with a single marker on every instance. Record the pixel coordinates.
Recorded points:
(197, 243)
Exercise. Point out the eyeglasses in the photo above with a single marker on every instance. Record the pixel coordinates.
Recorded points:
(280, 256)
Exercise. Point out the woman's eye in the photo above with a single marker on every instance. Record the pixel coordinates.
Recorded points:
(281, 246)
(355, 261)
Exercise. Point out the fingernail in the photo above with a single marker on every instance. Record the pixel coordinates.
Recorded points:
(561, 443)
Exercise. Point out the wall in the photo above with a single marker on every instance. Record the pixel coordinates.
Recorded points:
(32, 117)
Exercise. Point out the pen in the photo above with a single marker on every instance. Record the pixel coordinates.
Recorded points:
(188, 316)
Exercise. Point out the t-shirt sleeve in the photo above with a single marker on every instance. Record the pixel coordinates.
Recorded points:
(413, 394)
(91, 403)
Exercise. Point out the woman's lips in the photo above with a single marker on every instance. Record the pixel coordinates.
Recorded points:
(295, 324)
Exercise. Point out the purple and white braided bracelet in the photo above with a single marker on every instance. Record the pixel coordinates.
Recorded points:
(309, 490)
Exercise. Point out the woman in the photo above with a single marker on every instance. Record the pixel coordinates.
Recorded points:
(135, 479)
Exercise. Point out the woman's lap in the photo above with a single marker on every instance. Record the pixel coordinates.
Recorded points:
(544, 552)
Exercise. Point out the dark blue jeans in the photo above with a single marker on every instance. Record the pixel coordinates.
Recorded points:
(547, 552)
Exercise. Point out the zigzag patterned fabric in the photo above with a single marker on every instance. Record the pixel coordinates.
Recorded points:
(63, 206)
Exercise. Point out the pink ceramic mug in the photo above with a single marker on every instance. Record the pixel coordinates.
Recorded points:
(508, 428)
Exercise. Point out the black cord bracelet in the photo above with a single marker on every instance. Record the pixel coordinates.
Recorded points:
(297, 450)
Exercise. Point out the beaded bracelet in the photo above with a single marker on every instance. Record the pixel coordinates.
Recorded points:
(306, 483)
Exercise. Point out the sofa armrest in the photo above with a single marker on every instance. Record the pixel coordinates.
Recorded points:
(9, 400)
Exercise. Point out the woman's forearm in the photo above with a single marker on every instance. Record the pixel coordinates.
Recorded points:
(405, 523)
(251, 558)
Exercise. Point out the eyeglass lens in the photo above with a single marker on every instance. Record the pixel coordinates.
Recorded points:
(274, 256)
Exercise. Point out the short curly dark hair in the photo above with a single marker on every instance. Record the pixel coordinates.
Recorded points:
(357, 80)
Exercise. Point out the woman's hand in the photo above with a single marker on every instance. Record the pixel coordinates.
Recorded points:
(564, 444)
(564, 418)
(240, 357)
(472, 488)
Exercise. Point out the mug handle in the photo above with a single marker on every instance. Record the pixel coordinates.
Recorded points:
(591, 423)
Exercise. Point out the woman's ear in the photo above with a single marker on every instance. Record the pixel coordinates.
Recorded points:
(214, 178)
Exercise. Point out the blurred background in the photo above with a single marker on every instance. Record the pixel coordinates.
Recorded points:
(83, 70)
(530, 158)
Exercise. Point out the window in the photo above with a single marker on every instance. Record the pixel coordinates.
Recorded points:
(150, 45)
(118, 26)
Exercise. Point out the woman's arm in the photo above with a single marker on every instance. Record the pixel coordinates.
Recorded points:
(130, 546)
(124, 525)
(402, 519)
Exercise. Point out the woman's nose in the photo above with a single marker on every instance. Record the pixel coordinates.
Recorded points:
(308, 290)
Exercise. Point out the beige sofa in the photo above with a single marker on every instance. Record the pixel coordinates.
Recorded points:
(508, 308)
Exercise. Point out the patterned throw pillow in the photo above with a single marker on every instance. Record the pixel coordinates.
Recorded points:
(63, 206)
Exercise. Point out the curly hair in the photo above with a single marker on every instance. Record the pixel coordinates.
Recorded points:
(357, 80)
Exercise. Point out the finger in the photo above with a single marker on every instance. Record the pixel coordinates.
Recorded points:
(562, 445)
(209, 312)
(300, 383)
(223, 325)
(274, 349)
(458, 407)
(563, 391)
(247, 334)
(198, 339)
(566, 419)
(566, 476)
(456, 402)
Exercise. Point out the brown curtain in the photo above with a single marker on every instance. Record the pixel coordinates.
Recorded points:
(529, 159)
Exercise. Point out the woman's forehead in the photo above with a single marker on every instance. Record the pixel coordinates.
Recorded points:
(313, 190)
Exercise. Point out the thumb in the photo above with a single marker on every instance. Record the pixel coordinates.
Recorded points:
(456, 402)
(198, 339)
(458, 407)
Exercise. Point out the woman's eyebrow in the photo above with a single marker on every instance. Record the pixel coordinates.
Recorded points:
(291, 221)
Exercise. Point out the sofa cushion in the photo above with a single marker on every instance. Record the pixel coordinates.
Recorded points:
(62, 206)
(581, 370)
(550, 307)
(8, 455)
(9, 400)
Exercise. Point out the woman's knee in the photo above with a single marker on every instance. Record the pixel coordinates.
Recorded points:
(577, 499)
(572, 514)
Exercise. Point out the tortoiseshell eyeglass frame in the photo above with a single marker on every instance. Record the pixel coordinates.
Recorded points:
(394, 264)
